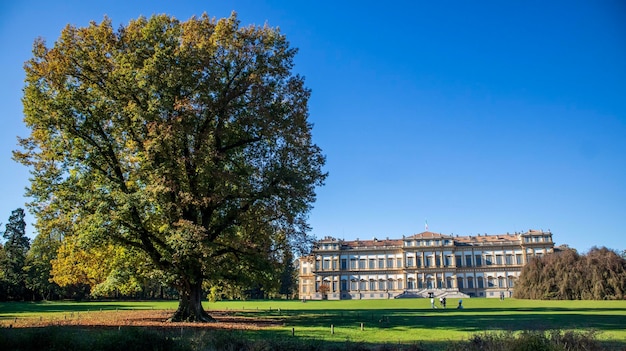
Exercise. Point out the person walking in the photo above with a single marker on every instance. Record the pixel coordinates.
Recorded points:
(432, 302)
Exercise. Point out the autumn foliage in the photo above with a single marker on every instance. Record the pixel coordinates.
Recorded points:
(566, 275)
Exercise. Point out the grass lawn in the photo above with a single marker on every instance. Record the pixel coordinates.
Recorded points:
(384, 321)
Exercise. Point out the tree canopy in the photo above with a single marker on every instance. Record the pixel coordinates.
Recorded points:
(188, 141)
(565, 275)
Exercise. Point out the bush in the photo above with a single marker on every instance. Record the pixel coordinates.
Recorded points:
(553, 340)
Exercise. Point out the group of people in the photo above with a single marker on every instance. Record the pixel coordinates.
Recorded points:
(442, 302)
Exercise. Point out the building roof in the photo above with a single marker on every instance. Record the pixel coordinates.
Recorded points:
(458, 240)
(429, 235)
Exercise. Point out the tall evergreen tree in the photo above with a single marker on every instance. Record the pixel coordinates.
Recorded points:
(14, 259)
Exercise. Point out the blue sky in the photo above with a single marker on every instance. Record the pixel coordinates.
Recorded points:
(479, 117)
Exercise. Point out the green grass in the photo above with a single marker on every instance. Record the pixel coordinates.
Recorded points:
(386, 321)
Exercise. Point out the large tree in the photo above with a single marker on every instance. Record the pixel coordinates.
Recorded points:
(186, 140)
(565, 275)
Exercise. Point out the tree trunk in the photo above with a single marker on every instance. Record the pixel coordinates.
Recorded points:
(190, 305)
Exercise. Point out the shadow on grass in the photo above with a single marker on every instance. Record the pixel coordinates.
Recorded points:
(467, 320)
(11, 308)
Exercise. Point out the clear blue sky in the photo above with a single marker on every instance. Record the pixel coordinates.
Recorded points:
(480, 117)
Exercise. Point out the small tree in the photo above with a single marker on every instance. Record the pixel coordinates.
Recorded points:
(324, 289)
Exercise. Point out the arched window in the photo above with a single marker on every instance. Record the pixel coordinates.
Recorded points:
(459, 282)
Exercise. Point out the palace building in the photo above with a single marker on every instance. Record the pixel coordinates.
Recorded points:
(420, 265)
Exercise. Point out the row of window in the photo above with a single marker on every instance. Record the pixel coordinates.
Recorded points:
(417, 262)
(428, 243)
(382, 285)
(538, 239)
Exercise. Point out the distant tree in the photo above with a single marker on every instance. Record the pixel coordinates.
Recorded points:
(566, 275)
(14, 259)
(186, 141)
(324, 289)
(108, 270)
(38, 267)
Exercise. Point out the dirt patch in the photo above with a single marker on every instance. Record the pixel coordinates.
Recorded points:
(140, 318)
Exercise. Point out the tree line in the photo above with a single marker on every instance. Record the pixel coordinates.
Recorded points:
(55, 267)
(600, 274)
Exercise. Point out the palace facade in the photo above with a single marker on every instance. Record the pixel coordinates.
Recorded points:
(419, 265)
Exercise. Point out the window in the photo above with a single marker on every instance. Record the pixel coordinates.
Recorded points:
(449, 283)
(334, 264)
(372, 263)
(305, 270)
(344, 263)
(430, 261)
(381, 263)
(409, 261)
(317, 265)
(518, 259)
(390, 284)
(410, 284)
(352, 263)
(372, 285)
(381, 285)
(326, 264)
(509, 259)
(362, 263)
(418, 261)
(438, 261)
(362, 285)
(334, 286)
(481, 282)
(353, 285)
(501, 282)
(390, 263)
(470, 282)
(344, 285)
(511, 281)
(468, 261)
(499, 260)
(459, 282)
(488, 260)
(399, 262)
(446, 261)
(459, 260)
(490, 283)
(479, 260)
